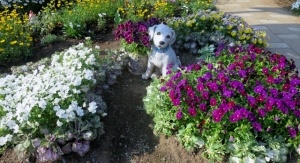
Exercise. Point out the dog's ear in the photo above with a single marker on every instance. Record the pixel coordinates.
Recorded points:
(151, 31)
(173, 38)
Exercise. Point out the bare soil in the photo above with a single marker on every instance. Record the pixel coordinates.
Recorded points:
(129, 136)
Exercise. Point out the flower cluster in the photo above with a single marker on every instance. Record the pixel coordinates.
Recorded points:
(196, 31)
(247, 90)
(135, 36)
(52, 100)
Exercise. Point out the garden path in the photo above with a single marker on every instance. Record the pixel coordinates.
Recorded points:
(282, 26)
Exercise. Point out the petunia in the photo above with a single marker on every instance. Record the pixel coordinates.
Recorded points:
(210, 66)
(292, 132)
(256, 126)
(270, 100)
(205, 95)
(258, 89)
(293, 90)
(285, 87)
(274, 92)
(265, 71)
(261, 112)
(200, 87)
(179, 115)
(242, 73)
(176, 102)
(202, 107)
(228, 94)
(192, 112)
(213, 102)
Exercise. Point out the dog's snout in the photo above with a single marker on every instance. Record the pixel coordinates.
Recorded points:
(161, 43)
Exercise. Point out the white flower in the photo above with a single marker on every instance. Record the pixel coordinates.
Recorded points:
(24, 68)
(4, 139)
(71, 24)
(79, 111)
(88, 74)
(42, 104)
(249, 160)
(61, 113)
(259, 160)
(87, 38)
(59, 123)
(234, 160)
(92, 107)
(97, 47)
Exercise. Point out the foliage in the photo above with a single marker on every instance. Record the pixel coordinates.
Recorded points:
(50, 39)
(245, 104)
(134, 36)
(15, 36)
(71, 107)
(296, 7)
(213, 27)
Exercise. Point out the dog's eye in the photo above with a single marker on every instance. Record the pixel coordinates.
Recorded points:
(168, 36)
(158, 33)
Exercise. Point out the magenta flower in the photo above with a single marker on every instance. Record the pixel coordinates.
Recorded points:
(179, 115)
(172, 94)
(261, 112)
(258, 89)
(191, 93)
(274, 92)
(270, 101)
(243, 73)
(200, 87)
(256, 126)
(210, 66)
(192, 112)
(205, 95)
(202, 107)
(292, 132)
(176, 102)
(293, 90)
(213, 101)
(228, 94)
(231, 138)
(265, 71)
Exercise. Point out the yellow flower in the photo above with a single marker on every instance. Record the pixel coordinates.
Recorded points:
(28, 44)
(21, 43)
(13, 42)
(2, 41)
(233, 33)
(1, 50)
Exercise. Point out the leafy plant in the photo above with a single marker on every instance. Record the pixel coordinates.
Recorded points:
(243, 104)
(50, 39)
(134, 36)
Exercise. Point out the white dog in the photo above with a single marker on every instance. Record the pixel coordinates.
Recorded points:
(161, 54)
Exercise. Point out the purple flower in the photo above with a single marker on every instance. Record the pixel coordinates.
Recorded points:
(256, 126)
(277, 80)
(244, 112)
(176, 102)
(231, 138)
(182, 83)
(251, 100)
(207, 76)
(210, 66)
(286, 96)
(258, 89)
(292, 132)
(213, 86)
(234, 84)
(163, 89)
(205, 95)
(228, 93)
(200, 87)
(251, 117)
(297, 113)
(191, 93)
(291, 104)
(270, 101)
(233, 118)
(295, 82)
(192, 112)
(274, 92)
(179, 115)
(242, 73)
(293, 90)
(202, 107)
(261, 112)
(172, 94)
(217, 115)
(265, 71)
(213, 102)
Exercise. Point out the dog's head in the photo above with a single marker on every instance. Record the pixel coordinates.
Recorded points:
(162, 35)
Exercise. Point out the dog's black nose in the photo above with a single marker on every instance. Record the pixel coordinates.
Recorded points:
(161, 43)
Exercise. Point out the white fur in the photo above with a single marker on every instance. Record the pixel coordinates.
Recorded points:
(162, 36)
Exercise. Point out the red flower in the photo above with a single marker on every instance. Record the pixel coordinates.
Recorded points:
(286, 87)
(260, 99)
(257, 50)
(268, 107)
(162, 80)
(270, 79)
(203, 122)
(188, 87)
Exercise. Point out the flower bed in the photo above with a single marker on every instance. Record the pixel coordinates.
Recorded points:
(55, 107)
(245, 104)
(213, 27)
